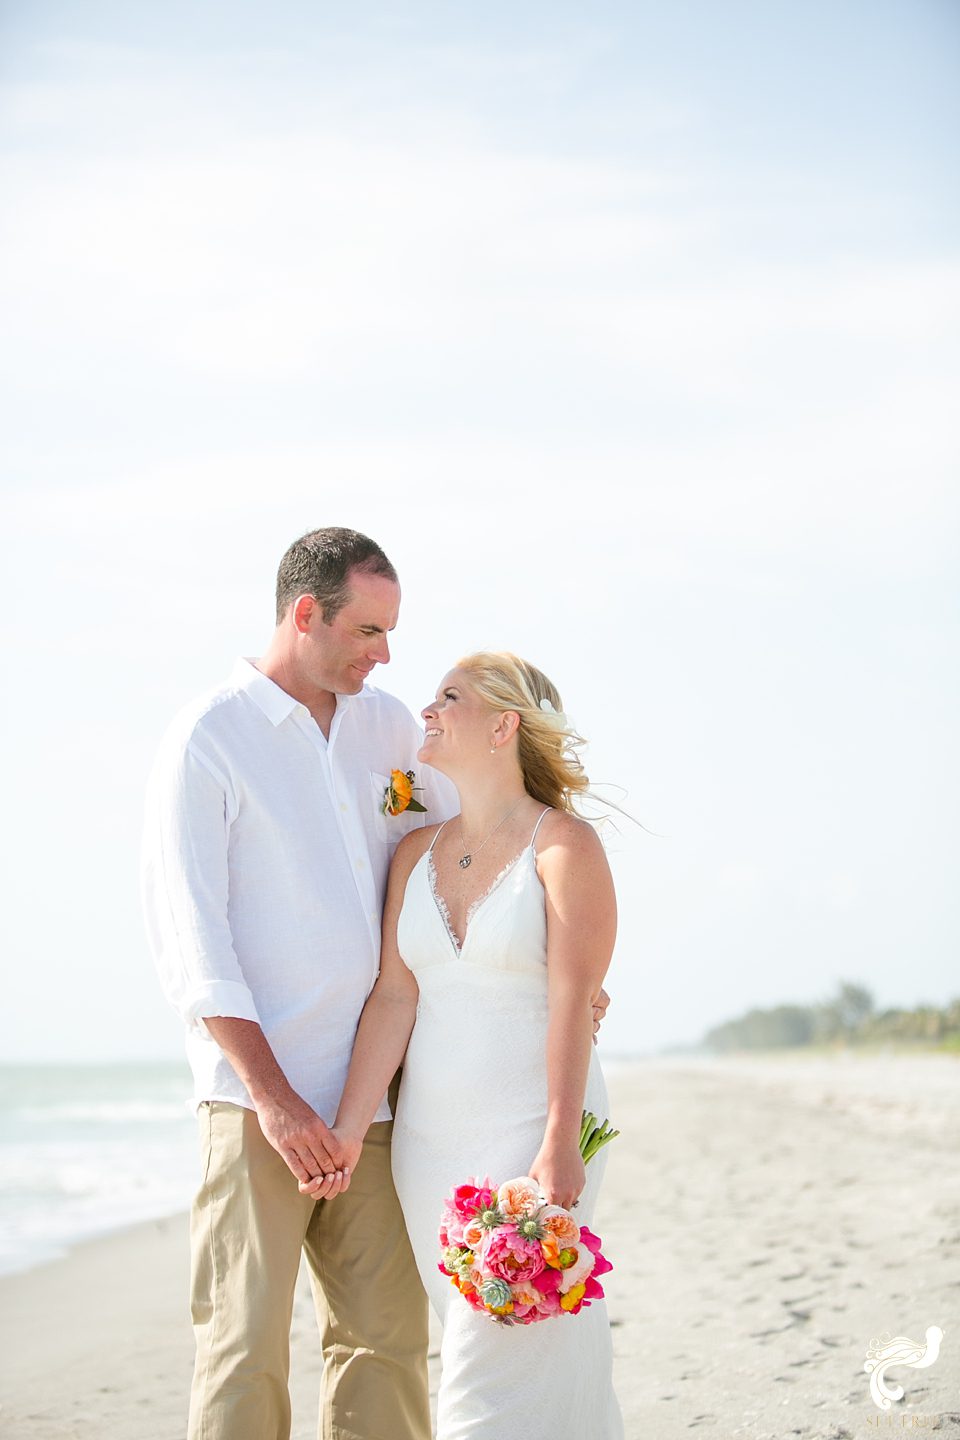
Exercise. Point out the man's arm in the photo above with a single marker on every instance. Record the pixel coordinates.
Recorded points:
(185, 885)
(185, 894)
(293, 1127)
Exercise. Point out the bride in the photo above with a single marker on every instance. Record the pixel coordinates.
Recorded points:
(497, 933)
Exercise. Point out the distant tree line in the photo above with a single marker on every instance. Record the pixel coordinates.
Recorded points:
(850, 1018)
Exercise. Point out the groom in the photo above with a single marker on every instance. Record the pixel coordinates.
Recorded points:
(265, 859)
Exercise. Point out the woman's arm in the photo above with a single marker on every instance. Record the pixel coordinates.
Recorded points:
(386, 1021)
(581, 928)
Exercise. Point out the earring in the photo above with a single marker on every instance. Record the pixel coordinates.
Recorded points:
(493, 749)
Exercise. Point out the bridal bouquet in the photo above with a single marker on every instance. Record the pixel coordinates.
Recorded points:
(516, 1258)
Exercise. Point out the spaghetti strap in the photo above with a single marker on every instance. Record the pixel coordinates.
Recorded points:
(538, 824)
(437, 836)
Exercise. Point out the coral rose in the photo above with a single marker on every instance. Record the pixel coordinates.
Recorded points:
(517, 1198)
(561, 1224)
(473, 1233)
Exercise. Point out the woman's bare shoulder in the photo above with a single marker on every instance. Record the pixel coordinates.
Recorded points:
(569, 834)
(411, 848)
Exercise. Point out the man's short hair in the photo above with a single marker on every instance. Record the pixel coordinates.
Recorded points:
(320, 564)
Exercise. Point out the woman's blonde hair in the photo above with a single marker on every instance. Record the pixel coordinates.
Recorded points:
(552, 772)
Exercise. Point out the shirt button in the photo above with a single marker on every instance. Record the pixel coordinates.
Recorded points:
(344, 807)
(359, 863)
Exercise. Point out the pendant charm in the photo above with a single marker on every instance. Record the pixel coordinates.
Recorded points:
(464, 861)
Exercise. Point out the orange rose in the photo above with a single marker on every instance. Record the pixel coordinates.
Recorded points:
(571, 1300)
(398, 795)
(401, 793)
(551, 1251)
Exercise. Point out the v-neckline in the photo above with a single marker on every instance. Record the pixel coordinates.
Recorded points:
(475, 906)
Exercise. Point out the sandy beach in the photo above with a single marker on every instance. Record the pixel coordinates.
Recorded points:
(767, 1217)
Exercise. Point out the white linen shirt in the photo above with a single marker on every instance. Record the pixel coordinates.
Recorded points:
(264, 872)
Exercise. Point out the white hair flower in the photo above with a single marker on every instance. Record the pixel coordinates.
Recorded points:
(557, 717)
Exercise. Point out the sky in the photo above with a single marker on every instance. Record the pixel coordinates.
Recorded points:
(630, 334)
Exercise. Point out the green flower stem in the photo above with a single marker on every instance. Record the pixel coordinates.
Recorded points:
(594, 1135)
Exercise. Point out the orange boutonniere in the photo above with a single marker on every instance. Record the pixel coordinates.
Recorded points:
(398, 795)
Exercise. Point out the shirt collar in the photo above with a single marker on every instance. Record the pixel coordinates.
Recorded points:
(275, 703)
(271, 698)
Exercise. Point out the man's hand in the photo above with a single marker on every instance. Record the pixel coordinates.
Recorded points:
(294, 1129)
(599, 1011)
(350, 1147)
(310, 1149)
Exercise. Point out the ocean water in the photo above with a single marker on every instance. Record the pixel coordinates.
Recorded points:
(87, 1149)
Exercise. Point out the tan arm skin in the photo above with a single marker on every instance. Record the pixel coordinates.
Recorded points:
(581, 929)
(292, 1127)
(386, 1022)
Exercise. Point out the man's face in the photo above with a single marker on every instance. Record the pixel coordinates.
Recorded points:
(339, 657)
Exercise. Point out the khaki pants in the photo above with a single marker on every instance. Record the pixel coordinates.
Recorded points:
(248, 1226)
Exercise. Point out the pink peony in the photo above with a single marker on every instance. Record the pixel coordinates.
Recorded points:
(511, 1257)
(547, 1306)
(451, 1224)
(451, 1231)
(531, 1303)
(548, 1282)
(470, 1199)
(592, 1242)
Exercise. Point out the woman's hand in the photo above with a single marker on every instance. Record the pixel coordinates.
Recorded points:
(599, 1012)
(560, 1172)
(327, 1189)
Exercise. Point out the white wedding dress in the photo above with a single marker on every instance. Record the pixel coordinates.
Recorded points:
(473, 1102)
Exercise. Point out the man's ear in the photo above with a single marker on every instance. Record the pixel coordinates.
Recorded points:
(302, 611)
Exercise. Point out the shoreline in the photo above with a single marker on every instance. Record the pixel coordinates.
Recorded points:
(767, 1217)
(64, 1251)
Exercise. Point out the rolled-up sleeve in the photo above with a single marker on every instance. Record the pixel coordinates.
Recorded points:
(185, 887)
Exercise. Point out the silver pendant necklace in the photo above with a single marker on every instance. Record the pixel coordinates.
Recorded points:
(466, 859)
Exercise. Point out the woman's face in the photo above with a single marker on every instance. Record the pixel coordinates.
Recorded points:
(459, 725)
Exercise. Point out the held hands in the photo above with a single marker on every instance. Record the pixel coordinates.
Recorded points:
(560, 1172)
(348, 1148)
(310, 1148)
